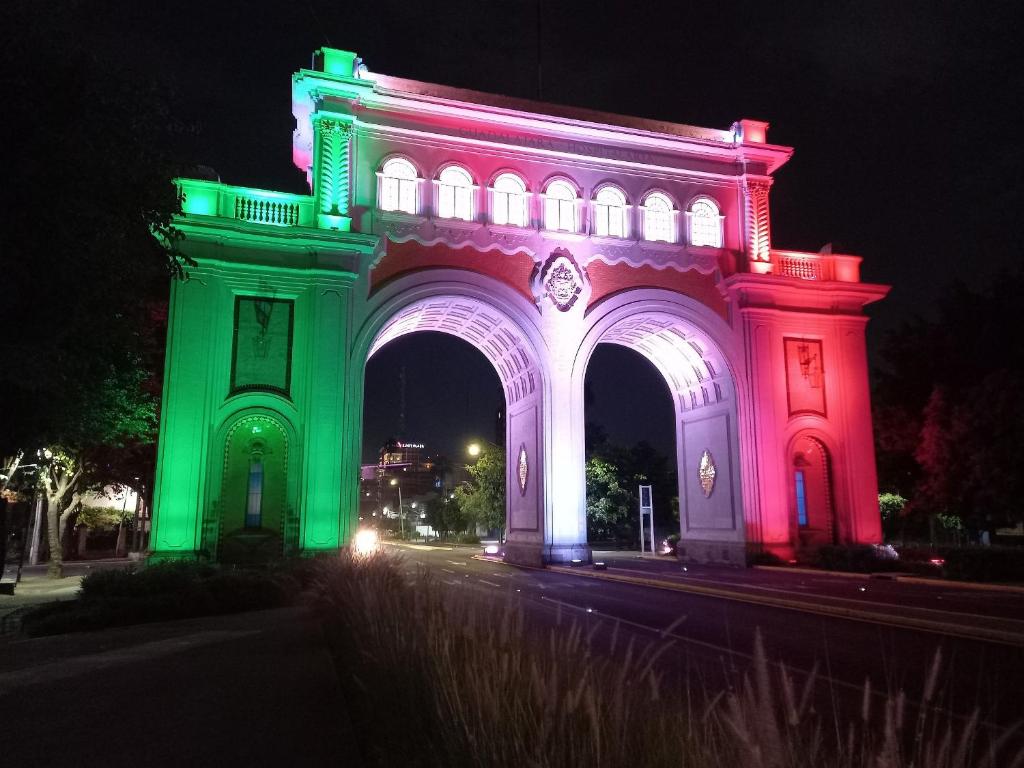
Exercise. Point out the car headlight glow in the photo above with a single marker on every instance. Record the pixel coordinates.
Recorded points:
(365, 542)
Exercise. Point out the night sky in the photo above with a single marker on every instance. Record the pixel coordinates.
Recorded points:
(903, 114)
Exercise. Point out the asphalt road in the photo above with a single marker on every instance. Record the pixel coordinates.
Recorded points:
(713, 637)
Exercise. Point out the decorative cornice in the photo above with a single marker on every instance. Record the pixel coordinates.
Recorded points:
(403, 228)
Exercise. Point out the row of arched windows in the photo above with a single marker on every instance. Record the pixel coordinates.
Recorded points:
(399, 189)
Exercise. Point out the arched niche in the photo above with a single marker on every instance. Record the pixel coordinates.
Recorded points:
(812, 509)
(253, 518)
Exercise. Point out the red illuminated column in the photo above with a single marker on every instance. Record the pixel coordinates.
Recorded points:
(759, 239)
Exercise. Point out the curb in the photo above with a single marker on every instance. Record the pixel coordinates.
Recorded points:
(871, 617)
(905, 578)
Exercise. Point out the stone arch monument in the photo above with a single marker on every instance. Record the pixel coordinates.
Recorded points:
(534, 232)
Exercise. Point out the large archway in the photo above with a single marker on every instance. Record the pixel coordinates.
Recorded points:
(501, 325)
(629, 422)
(692, 347)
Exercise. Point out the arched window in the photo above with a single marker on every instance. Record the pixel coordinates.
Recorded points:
(705, 223)
(560, 207)
(398, 184)
(254, 495)
(455, 194)
(812, 494)
(657, 215)
(610, 212)
(508, 201)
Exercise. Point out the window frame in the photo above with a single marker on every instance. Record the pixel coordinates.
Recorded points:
(254, 496)
(597, 207)
(673, 216)
(800, 489)
(493, 192)
(415, 183)
(574, 202)
(718, 217)
(439, 191)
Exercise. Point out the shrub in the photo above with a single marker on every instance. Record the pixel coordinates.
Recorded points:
(164, 592)
(763, 557)
(983, 563)
(857, 558)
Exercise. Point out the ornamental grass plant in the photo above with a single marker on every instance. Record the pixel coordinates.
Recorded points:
(435, 677)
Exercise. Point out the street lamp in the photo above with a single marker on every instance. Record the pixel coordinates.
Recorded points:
(473, 449)
(401, 512)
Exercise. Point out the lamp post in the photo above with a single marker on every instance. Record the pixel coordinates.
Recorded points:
(401, 511)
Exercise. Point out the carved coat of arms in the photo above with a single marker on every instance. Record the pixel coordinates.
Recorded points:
(523, 470)
(561, 279)
(706, 473)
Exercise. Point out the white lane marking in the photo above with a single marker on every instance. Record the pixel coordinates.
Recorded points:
(895, 608)
(448, 570)
(819, 675)
(485, 581)
(454, 562)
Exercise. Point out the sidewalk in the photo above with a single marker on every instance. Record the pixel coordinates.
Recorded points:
(36, 587)
(255, 689)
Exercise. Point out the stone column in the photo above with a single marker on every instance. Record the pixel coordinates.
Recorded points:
(759, 240)
(185, 418)
(331, 172)
(562, 290)
(327, 418)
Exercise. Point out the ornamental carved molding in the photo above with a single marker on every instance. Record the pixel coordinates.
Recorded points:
(642, 254)
(399, 227)
(327, 125)
(706, 473)
(759, 241)
(332, 177)
(522, 469)
(560, 280)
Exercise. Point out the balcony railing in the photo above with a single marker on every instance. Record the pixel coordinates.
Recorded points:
(817, 266)
(256, 206)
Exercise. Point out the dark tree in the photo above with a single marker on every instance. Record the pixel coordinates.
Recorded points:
(87, 240)
(88, 246)
(949, 415)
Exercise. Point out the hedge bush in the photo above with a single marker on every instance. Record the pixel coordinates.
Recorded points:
(164, 592)
(857, 558)
(983, 563)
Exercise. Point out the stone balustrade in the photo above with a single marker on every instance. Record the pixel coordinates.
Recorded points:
(255, 206)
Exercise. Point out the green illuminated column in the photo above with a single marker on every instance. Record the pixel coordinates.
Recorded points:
(324, 484)
(182, 458)
(331, 171)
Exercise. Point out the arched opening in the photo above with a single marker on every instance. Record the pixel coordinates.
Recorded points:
(428, 398)
(630, 441)
(672, 335)
(253, 521)
(812, 516)
(496, 325)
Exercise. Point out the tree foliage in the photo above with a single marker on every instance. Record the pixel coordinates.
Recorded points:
(482, 498)
(949, 411)
(611, 508)
(632, 467)
(445, 515)
(88, 237)
(88, 243)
